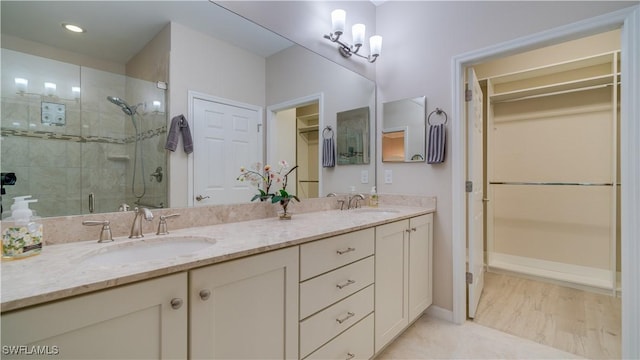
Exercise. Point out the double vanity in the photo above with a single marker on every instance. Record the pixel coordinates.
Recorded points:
(328, 284)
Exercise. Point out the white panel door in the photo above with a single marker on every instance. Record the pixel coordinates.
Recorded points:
(225, 138)
(475, 213)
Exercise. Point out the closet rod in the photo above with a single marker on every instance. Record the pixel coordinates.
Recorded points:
(553, 93)
(548, 183)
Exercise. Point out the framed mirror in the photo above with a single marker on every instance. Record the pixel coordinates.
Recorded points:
(353, 137)
(404, 130)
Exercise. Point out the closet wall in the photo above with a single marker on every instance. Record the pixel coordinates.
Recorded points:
(552, 161)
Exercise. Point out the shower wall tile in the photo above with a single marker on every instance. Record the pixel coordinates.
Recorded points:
(14, 152)
(47, 153)
(74, 154)
(48, 180)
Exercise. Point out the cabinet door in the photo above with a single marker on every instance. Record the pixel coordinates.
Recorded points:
(420, 259)
(391, 313)
(246, 308)
(129, 322)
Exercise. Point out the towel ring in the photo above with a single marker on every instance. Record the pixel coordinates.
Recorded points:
(329, 129)
(438, 111)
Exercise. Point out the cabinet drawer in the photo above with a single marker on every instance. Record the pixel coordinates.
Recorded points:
(355, 343)
(330, 322)
(322, 291)
(324, 255)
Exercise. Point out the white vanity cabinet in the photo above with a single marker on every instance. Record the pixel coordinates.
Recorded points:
(141, 320)
(245, 308)
(337, 297)
(403, 275)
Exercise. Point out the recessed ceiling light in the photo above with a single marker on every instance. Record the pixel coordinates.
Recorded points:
(73, 28)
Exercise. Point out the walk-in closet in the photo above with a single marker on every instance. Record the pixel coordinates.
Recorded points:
(552, 189)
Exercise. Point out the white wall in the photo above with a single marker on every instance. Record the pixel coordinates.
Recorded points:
(420, 38)
(305, 22)
(417, 61)
(208, 65)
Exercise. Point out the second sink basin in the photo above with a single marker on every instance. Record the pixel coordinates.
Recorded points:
(148, 249)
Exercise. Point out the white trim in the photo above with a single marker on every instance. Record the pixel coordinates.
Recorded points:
(301, 101)
(193, 95)
(589, 276)
(439, 313)
(630, 199)
(629, 19)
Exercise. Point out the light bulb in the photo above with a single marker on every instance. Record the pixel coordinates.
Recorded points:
(49, 88)
(358, 31)
(338, 17)
(375, 45)
(21, 84)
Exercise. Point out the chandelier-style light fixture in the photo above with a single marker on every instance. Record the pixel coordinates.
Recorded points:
(338, 18)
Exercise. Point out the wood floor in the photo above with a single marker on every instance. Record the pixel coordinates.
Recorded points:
(576, 321)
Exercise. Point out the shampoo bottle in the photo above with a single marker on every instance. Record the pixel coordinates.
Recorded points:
(373, 198)
(24, 237)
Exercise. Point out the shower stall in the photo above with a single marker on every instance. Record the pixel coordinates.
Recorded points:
(71, 147)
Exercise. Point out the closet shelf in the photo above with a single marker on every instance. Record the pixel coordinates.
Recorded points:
(591, 83)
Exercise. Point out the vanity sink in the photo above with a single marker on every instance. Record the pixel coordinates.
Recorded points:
(148, 249)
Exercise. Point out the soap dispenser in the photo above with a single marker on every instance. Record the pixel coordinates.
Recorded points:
(373, 198)
(24, 237)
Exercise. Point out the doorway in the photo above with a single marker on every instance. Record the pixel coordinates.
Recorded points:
(629, 20)
(293, 136)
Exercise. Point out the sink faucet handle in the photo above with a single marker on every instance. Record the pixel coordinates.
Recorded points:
(105, 233)
(162, 226)
(341, 201)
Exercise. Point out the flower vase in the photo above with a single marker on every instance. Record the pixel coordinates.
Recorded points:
(285, 215)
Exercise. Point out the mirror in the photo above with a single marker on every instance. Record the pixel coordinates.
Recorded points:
(404, 130)
(93, 155)
(353, 136)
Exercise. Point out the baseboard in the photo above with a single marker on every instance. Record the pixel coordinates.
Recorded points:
(439, 313)
(567, 273)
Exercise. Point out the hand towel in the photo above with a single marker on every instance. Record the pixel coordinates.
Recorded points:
(173, 135)
(437, 140)
(179, 127)
(328, 153)
(187, 141)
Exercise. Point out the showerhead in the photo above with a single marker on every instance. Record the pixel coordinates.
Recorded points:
(129, 110)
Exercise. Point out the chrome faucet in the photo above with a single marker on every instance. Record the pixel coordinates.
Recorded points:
(136, 227)
(356, 197)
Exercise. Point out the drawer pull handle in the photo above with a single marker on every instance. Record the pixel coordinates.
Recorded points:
(347, 317)
(350, 356)
(342, 252)
(344, 285)
(413, 229)
(176, 303)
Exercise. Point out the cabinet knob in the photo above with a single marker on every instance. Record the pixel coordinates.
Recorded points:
(205, 294)
(176, 303)
(350, 356)
(413, 229)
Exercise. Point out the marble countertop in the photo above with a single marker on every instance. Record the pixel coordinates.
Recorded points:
(67, 269)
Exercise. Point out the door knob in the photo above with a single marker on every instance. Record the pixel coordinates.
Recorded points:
(200, 197)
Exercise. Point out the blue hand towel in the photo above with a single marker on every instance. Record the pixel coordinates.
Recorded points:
(328, 153)
(437, 141)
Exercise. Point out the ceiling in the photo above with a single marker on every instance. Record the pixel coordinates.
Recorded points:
(117, 30)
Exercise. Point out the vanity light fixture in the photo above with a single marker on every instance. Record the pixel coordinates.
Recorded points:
(21, 85)
(73, 28)
(338, 18)
(50, 89)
